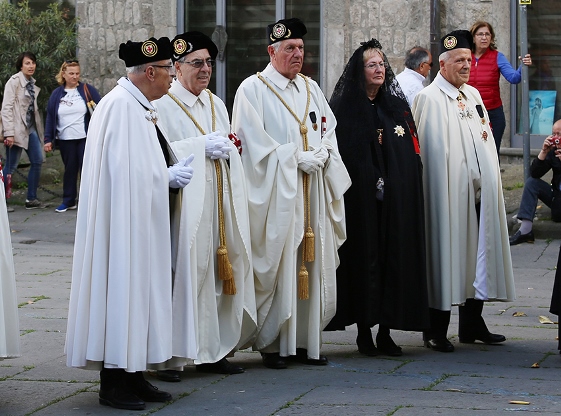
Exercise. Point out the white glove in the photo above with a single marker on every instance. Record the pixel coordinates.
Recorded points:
(308, 162)
(217, 146)
(181, 173)
(321, 154)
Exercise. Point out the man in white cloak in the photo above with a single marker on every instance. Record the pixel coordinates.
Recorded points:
(296, 181)
(120, 313)
(468, 253)
(196, 122)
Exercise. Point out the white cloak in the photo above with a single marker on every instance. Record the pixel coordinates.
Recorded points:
(120, 313)
(9, 320)
(223, 322)
(270, 139)
(465, 259)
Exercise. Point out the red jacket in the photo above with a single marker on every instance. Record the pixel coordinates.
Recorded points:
(485, 76)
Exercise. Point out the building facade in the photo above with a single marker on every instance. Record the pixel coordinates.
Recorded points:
(335, 30)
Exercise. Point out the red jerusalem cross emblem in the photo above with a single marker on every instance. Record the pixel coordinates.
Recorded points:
(149, 48)
(450, 42)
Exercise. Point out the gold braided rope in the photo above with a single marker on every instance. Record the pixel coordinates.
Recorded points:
(308, 245)
(225, 271)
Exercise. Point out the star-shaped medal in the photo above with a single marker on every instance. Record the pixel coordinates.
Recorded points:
(400, 131)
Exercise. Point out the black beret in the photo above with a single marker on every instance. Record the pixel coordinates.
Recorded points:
(286, 29)
(190, 42)
(151, 50)
(455, 40)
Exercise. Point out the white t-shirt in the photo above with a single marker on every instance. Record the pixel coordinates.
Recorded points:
(71, 112)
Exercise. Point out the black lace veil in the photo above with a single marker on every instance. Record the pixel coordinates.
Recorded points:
(351, 84)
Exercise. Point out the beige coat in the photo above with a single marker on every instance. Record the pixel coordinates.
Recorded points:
(14, 108)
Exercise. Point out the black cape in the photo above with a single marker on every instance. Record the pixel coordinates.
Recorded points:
(382, 276)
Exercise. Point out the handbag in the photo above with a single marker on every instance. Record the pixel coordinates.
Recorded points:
(90, 103)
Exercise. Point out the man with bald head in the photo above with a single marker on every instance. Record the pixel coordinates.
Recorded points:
(468, 253)
(295, 180)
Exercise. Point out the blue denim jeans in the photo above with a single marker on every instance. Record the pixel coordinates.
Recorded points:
(535, 189)
(498, 124)
(72, 153)
(35, 154)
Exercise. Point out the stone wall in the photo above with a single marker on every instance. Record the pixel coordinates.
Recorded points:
(402, 24)
(103, 25)
(397, 24)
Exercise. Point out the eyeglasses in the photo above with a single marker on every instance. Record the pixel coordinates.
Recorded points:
(68, 103)
(483, 35)
(376, 65)
(198, 63)
(429, 63)
(170, 68)
(71, 61)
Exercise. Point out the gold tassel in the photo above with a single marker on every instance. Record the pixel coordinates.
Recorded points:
(309, 244)
(229, 287)
(303, 284)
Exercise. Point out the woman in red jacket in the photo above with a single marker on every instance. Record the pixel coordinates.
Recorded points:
(487, 65)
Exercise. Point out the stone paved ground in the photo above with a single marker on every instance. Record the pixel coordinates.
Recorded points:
(474, 380)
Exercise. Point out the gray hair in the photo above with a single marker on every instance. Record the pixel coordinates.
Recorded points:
(276, 46)
(444, 56)
(135, 69)
(416, 56)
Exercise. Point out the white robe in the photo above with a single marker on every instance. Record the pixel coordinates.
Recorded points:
(223, 322)
(9, 320)
(465, 258)
(270, 139)
(120, 313)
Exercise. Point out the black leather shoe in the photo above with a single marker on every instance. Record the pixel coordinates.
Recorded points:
(273, 360)
(144, 390)
(366, 346)
(171, 376)
(439, 344)
(519, 238)
(302, 358)
(119, 398)
(222, 366)
(386, 346)
(487, 339)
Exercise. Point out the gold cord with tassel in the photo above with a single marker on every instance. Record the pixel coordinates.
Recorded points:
(308, 242)
(225, 271)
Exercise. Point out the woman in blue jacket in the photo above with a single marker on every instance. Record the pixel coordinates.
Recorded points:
(67, 120)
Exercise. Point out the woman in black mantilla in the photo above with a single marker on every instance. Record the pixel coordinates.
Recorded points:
(382, 278)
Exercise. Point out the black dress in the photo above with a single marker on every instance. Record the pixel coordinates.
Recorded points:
(382, 276)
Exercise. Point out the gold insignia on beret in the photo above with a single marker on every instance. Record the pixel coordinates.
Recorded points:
(149, 48)
(179, 46)
(280, 31)
(450, 42)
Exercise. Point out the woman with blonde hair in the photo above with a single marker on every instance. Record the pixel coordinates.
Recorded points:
(68, 118)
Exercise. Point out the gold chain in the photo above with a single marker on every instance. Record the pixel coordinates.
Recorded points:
(308, 245)
(219, 185)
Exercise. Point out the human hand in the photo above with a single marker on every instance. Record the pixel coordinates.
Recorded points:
(321, 153)
(9, 141)
(48, 147)
(527, 60)
(217, 146)
(181, 173)
(308, 162)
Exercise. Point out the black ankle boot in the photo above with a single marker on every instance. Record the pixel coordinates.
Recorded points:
(114, 392)
(365, 342)
(472, 326)
(385, 343)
